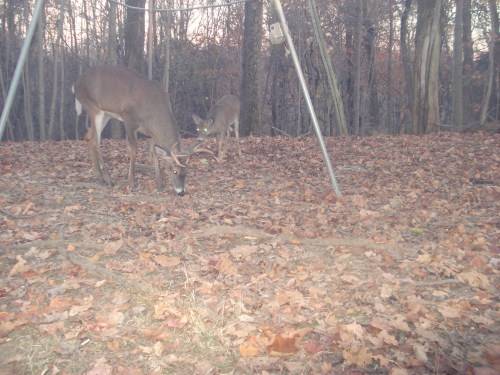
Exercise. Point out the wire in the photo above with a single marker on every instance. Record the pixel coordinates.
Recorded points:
(180, 9)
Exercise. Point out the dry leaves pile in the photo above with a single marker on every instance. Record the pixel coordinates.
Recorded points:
(259, 268)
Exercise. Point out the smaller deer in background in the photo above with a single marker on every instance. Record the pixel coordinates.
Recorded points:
(223, 114)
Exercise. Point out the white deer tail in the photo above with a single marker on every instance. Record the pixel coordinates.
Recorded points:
(78, 105)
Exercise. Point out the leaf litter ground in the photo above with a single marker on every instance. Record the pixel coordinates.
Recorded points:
(259, 268)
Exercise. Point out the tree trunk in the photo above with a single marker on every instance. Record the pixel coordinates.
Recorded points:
(491, 100)
(457, 77)
(370, 47)
(252, 40)
(390, 122)
(405, 54)
(117, 130)
(28, 107)
(134, 36)
(41, 76)
(357, 68)
(468, 64)
(57, 64)
(332, 79)
(425, 106)
(62, 129)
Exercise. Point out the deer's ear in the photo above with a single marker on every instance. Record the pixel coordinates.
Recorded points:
(210, 122)
(196, 119)
(161, 152)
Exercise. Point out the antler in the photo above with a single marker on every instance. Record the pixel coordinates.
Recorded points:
(197, 150)
(175, 156)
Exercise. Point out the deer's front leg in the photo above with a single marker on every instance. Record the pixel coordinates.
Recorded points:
(220, 140)
(132, 145)
(154, 158)
(237, 135)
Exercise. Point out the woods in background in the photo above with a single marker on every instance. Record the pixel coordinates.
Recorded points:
(400, 66)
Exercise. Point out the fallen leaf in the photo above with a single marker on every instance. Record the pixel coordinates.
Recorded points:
(227, 267)
(249, 348)
(166, 261)
(19, 267)
(360, 358)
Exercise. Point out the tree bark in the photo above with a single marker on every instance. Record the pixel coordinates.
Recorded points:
(467, 64)
(405, 54)
(491, 100)
(134, 36)
(425, 106)
(390, 122)
(332, 78)
(457, 77)
(370, 48)
(252, 40)
(41, 76)
(357, 69)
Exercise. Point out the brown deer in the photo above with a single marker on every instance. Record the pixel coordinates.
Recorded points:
(223, 114)
(107, 92)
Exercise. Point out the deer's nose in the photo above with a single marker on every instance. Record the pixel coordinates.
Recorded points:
(181, 193)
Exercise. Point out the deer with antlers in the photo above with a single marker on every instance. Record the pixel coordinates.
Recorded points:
(106, 92)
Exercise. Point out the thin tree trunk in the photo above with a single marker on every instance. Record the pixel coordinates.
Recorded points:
(250, 88)
(168, 40)
(390, 122)
(41, 76)
(117, 130)
(55, 92)
(369, 46)
(457, 77)
(493, 67)
(10, 134)
(57, 51)
(62, 129)
(468, 63)
(357, 68)
(28, 108)
(332, 79)
(405, 55)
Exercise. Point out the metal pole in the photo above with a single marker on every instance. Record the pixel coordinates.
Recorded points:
(20, 66)
(303, 85)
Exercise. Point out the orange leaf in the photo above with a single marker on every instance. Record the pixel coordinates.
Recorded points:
(239, 185)
(249, 348)
(282, 347)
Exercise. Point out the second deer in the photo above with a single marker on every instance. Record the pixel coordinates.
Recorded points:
(223, 114)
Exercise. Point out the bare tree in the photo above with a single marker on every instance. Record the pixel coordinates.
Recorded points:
(134, 35)
(468, 63)
(457, 82)
(405, 52)
(491, 98)
(252, 40)
(425, 106)
(332, 79)
(40, 40)
(357, 68)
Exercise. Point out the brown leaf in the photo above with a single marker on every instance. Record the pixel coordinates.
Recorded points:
(250, 348)
(166, 261)
(111, 248)
(227, 267)
(360, 358)
(19, 267)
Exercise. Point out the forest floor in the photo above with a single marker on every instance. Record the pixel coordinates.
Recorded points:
(259, 268)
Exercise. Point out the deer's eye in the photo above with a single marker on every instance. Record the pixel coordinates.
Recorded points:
(205, 130)
(174, 171)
